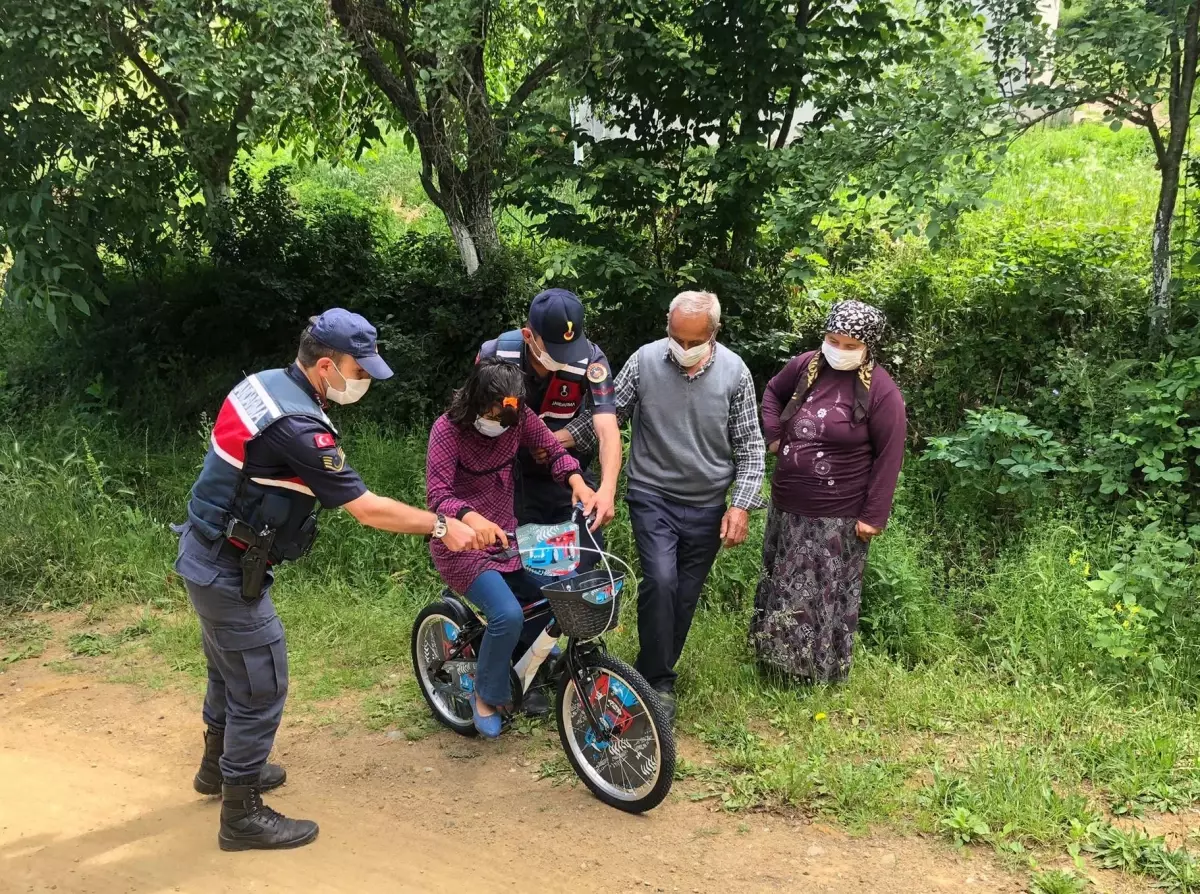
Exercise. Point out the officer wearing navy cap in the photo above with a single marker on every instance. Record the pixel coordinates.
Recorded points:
(273, 457)
(564, 375)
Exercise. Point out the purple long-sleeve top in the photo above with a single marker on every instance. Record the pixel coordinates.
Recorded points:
(827, 466)
(465, 470)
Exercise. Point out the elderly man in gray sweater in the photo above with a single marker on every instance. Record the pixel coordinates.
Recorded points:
(696, 442)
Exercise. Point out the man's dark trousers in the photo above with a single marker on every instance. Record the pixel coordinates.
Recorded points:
(677, 545)
(246, 651)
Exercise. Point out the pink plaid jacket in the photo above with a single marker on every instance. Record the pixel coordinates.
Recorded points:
(465, 469)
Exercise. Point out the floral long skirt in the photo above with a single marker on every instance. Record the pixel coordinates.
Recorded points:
(808, 598)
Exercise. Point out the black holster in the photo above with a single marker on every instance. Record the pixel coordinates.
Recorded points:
(256, 556)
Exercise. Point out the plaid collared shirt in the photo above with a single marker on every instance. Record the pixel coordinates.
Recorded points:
(749, 449)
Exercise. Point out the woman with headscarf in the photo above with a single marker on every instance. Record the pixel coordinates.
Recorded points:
(836, 421)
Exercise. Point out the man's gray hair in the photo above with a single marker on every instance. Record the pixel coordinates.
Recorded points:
(698, 303)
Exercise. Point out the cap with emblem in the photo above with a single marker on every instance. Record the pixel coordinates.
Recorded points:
(351, 334)
(556, 315)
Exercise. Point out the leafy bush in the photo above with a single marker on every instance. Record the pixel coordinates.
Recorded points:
(996, 317)
(1154, 445)
(240, 305)
(998, 452)
(1146, 615)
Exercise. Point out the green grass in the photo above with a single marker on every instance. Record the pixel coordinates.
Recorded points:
(1084, 174)
(21, 638)
(386, 176)
(1058, 881)
(1011, 735)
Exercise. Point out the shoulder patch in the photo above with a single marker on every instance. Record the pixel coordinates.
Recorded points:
(597, 373)
(334, 463)
(324, 441)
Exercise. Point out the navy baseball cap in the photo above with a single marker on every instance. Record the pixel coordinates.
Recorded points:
(557, 316)
(351, 334)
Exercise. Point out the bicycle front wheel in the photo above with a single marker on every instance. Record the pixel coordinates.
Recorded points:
(629, 763)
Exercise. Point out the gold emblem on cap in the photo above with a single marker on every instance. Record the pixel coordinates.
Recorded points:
(570, 333)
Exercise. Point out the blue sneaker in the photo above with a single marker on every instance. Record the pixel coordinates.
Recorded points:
(489, 727)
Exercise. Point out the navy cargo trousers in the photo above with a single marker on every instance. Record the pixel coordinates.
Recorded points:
(245, 649)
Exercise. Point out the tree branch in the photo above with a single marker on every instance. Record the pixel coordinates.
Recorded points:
(1181, 108)
(789, 114)
(401, 94)
(176, 104)
(533, 80)
(1160, 148)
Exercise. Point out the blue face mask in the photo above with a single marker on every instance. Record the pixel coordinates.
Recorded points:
(489, 428)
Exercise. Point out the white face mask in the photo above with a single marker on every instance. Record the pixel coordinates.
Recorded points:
(489, 428)
(689, 357)
(351, 391)
(841, 359)
(545, 359)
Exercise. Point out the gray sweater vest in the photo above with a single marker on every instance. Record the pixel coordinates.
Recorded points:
(682, 449)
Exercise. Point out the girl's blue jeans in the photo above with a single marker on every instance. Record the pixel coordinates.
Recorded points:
(499, 596)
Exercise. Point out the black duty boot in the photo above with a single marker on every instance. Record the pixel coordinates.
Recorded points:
(208, 777)
(248, 824)
(536, 703)
(667, 697)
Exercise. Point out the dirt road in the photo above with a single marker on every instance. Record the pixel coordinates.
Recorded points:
(95, 796)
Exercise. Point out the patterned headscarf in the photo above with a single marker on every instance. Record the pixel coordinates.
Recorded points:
(856, 319)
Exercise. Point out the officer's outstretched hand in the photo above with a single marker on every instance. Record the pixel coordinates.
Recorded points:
(459, 536)
(581, 493)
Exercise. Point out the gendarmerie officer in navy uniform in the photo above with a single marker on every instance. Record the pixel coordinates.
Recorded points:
(274, 456)
(564, 374)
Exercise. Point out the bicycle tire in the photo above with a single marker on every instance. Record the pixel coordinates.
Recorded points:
(445, 613)
(656, 717)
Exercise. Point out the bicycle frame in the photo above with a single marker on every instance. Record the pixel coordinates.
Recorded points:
(533, 611)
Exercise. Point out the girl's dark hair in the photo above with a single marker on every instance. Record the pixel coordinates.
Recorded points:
(489, 383)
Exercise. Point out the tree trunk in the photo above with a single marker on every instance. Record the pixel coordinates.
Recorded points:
(468, 251)
(481, 221)
(1184, 57)
(1160, 256)
(467, 207)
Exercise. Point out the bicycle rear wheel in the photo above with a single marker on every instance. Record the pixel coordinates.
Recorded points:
(630, 763)
(447, 690)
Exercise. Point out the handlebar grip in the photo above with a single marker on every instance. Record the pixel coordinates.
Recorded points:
(589, 519)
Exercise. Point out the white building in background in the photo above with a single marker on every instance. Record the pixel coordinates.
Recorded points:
(585, 118)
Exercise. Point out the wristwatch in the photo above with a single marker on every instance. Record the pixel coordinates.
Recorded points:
(440, 527)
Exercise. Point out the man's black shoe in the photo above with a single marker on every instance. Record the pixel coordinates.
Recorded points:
(248, 824)
(667, 697)
(208, 778)
(536, 703)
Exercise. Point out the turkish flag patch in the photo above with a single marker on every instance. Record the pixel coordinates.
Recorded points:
(324, 441)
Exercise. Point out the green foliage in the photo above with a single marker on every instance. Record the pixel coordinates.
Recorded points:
(215, 312)
(118, 116)
(726, 185)
(1132, 58)
(963, 827)
(93, 645)
(1116, 848)
(22, 638)
(1147, 617)
(1154, 446)
(1058, 881)
(902, 613)
(1134, 851)
(458, 74)
(998, 452)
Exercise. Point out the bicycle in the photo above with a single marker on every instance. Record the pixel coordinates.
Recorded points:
(610, 721)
